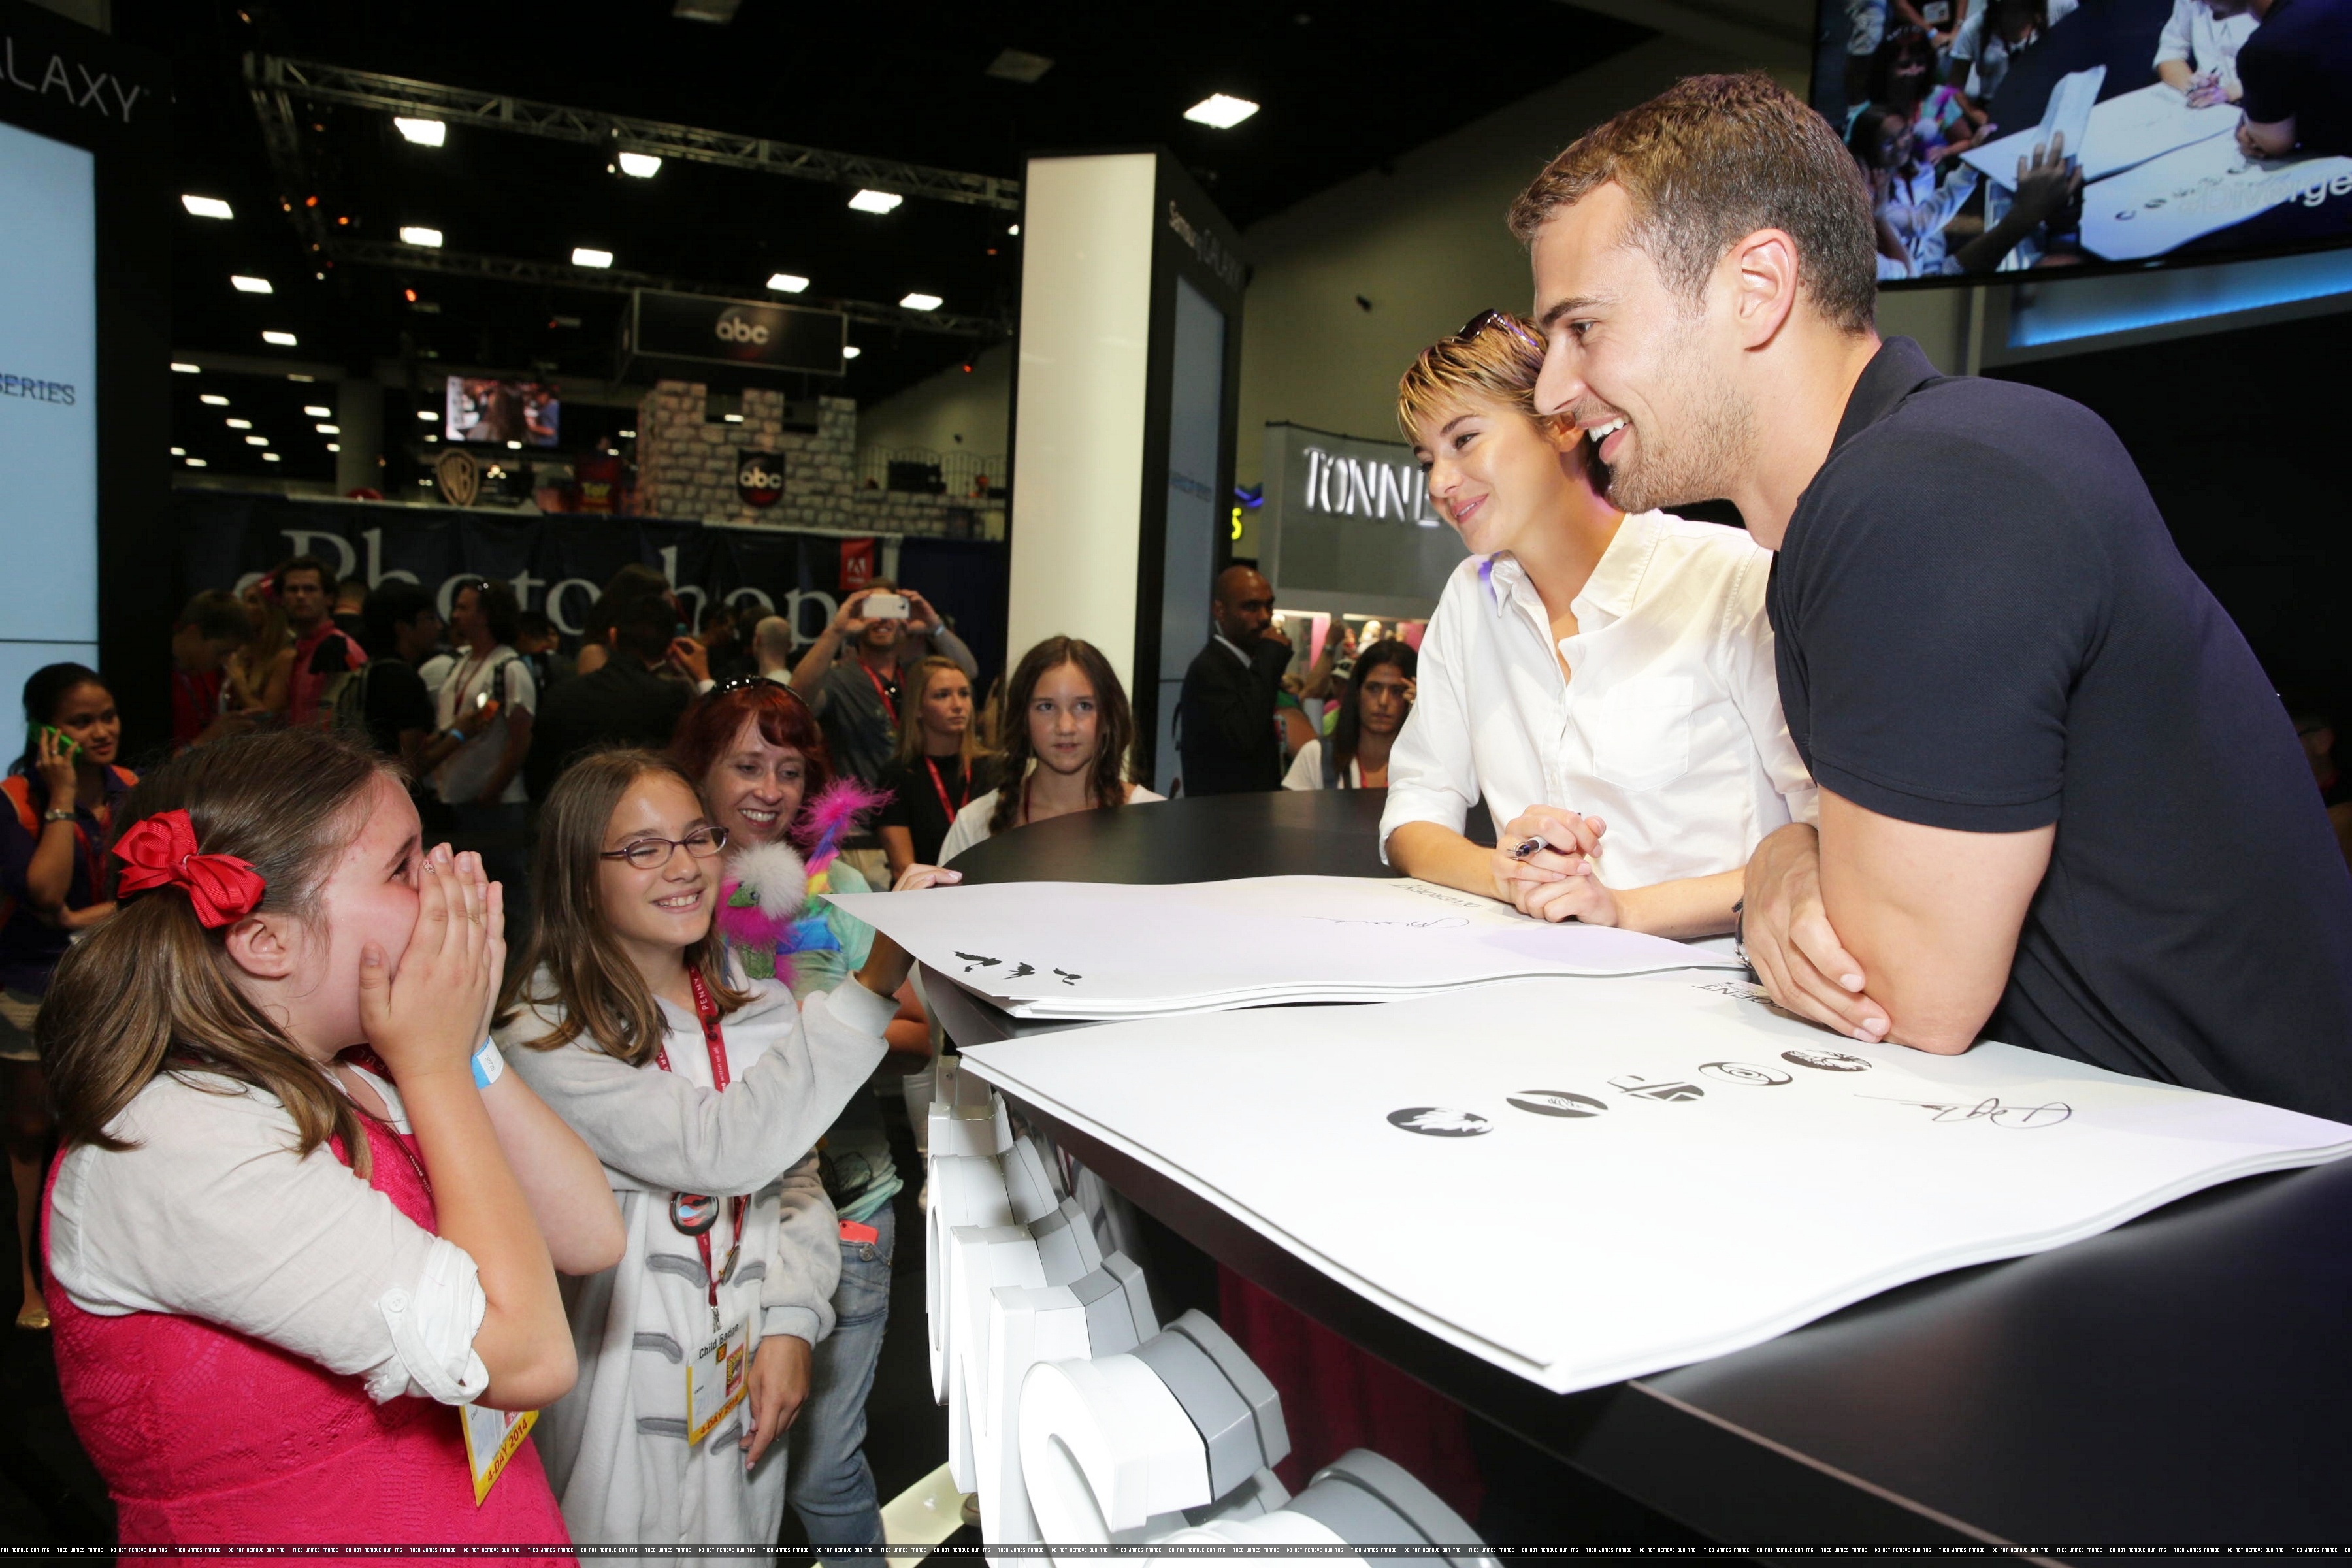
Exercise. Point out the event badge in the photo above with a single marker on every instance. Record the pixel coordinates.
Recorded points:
(715, 1381)
(492, 1437)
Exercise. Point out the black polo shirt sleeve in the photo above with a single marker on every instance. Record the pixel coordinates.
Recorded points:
(1936, 617)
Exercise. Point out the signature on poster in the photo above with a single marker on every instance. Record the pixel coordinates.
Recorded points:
(1986, 1109)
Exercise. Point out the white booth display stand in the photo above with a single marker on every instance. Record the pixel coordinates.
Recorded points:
(1698, 1173)
(1107, 950)
(1078, 1419)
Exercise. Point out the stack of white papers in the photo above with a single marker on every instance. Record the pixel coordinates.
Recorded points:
(1585, 1181)
(1105, 950)
(2107, 137)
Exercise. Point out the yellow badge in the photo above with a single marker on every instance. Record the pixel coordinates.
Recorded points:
(715, 1381)
(491, 1438)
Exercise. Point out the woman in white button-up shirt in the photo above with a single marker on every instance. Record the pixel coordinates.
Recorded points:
(1605, 681)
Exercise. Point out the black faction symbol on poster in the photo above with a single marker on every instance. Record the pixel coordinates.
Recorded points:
(1986, 1109)
(1671, 1090)
(1827, 1060)
(1744, 1072)
(1557, 1102)
(1069, 978)
(1437, 1121)
(1021, 970)
(974, 960)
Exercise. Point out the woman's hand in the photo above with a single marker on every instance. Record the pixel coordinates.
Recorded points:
(915, 876)
(53, 758)
(1571, 838)
(1580, 897)
(781, 1372)
(429, 1016)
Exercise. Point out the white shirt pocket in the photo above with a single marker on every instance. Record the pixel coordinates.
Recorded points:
(1641, 731)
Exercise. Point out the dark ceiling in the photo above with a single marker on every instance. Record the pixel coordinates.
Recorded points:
(1343, 89)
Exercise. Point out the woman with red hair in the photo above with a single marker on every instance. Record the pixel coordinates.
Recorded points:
(755, 748)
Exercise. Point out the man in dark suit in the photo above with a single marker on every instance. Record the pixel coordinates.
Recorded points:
(1225, 729)
(633, 698)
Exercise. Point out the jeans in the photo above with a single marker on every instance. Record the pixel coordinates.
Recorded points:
(830, 1485)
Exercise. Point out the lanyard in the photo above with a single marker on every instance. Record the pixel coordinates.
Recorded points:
(941, 785)
(880, 690)
(707, 1011)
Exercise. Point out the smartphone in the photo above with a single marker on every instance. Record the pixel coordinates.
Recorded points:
(885, 606)
(67, 744)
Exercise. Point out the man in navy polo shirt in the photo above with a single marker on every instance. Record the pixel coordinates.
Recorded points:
(2061, 804)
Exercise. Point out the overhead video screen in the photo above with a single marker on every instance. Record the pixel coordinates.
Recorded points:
(49, 405)
(483, 408)
(2039, 134)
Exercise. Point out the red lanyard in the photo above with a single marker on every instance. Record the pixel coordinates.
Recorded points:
(880, 690)
(706, 1011)
(941, 785)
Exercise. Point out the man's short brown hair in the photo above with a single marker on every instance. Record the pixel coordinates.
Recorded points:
(1709, 162)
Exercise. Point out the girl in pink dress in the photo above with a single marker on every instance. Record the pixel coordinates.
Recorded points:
(300, 1211)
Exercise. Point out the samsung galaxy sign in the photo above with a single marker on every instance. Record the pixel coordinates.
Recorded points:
(1343, 485)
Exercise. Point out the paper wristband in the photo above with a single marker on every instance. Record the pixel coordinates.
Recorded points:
(488, 1065)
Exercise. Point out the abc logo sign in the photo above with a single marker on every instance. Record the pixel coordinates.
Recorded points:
(733, 329)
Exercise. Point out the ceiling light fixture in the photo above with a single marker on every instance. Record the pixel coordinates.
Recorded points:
(876, 202)
(587, 256)
(316, 411)
(415, 234)
(206, 206)
(257, 440)
(279, 339)
(1018, 65)
(787, 283)
(1220, 111)
(428, 414)
(850, 350)
(235, 424)
(921, 303)
(331, 429)
(195, 462)
(334, 445)
(179, 451)
(269, 457)
(184, 368)
(627, 435)
(732, 418)
(640, 165)
(424, 133)
(1014, 231)
(244, 285)
(296, 377)
(212, 400)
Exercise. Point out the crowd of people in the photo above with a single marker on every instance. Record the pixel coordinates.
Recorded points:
(637, 1178)
(407, 853)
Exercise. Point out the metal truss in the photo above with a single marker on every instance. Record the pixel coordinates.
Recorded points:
(619, 280)
(276, 83)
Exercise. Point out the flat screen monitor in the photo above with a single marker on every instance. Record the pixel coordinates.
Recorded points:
(488, 409)
(2150, 131)
(48, 409)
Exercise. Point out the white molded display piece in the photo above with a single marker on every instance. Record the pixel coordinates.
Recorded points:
(1105, 1446)
(1255, 1389)
(1024, 1327)
(1025, 1183)
(964, 1191)
(1066, 1243)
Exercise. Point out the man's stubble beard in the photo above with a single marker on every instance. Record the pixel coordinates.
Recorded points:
(1702, 460)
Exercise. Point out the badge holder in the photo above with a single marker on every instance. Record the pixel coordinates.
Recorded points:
(492, 1439)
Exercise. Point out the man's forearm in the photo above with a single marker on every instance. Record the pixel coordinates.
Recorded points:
(1932, 913)
(809, 674)
(950, 645)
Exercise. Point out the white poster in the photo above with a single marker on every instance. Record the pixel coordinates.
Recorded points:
(2126, 131)
(1583, 1181)
(1105, 950)
(49, 405)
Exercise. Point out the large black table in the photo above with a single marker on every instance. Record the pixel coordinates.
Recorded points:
(2185, 1379)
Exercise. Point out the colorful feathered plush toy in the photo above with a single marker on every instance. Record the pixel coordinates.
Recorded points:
(767, 906)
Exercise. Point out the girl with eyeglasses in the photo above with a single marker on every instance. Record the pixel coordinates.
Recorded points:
(766, 777)
(704, 1097)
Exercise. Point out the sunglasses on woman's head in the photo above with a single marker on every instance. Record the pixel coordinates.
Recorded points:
(1503, 319)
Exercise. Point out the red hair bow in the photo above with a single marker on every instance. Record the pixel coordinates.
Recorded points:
(160, 851)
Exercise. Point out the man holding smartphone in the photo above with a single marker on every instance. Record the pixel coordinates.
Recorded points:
(850, 679)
